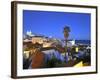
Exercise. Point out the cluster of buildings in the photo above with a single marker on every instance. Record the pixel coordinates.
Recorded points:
(40, 39)
(36, 40)
(32, 42)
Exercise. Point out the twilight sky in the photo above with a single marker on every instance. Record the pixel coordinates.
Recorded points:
(52, 23)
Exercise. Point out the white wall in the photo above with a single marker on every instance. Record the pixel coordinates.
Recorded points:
(5, 43)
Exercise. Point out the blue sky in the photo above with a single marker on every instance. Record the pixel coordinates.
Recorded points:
(52, 23)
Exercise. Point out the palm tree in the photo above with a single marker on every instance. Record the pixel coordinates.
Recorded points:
(66, 31)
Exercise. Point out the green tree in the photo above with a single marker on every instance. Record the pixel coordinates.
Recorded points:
(66, 31)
